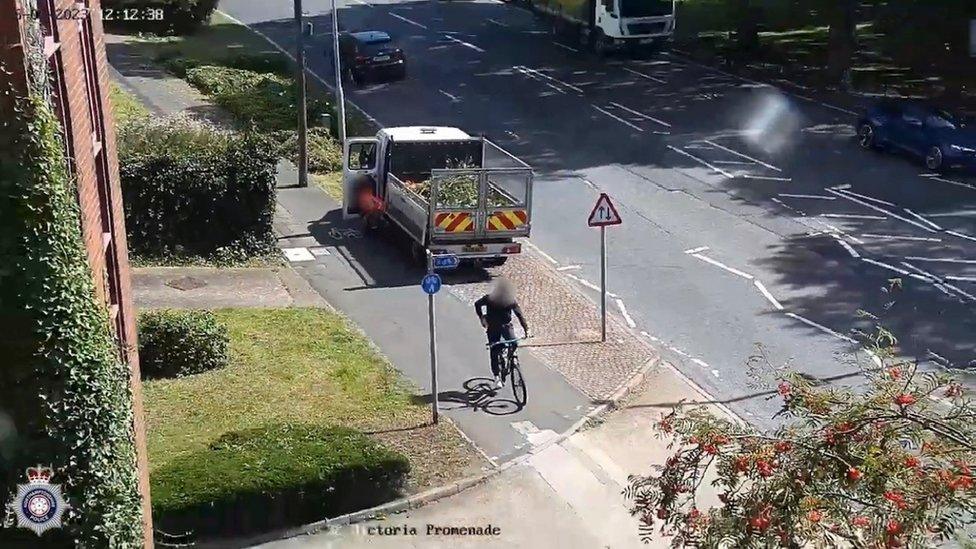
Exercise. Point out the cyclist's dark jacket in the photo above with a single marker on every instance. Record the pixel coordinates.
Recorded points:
(498, 315)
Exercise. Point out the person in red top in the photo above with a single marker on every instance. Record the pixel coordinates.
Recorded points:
(370, 205)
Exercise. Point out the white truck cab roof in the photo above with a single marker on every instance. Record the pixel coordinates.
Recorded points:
(422, 133)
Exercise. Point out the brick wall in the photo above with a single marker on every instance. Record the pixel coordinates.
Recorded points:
(75, 50)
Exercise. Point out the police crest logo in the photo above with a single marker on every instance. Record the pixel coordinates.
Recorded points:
(39, 504)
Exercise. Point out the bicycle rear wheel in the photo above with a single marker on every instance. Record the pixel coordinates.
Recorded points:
(518, 385)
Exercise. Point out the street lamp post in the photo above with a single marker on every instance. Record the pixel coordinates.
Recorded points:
(302, 99)
(340, 97)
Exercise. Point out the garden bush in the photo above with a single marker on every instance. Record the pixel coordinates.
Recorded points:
(324, 154)
(261, 62)
(175, 343)
(272, 477)
(178, 16)
(266, 100)
(191, 190)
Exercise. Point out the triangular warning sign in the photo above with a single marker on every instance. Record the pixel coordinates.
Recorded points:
(604, 213)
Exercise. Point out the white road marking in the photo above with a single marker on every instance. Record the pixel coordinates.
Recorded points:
(463, 43)
(764, 177)
(811, 196)
(844, 189)
(850, 249)
(941, 260)
(410, 21)
(499, 23)
(642, 75)
(961, 235)
(769, 297)
(747, 157)
(821, 327)
(532, 73)
(569, 268)
(295, 255)
(700, 362)
(957, 213)
(362, 3)
(452, 97)
(961, 278)
(899, 237)
(885, 266)
(866, 204)
(696, 250)
(845, 111)
(923, 220)
(788, 207)
(853, 216)
(700, 161)
(626, 315)
(721, 265)
(565, 47)
(590, 285)
(641, 115)
(949, 181)
(538, 250)
(618, 119)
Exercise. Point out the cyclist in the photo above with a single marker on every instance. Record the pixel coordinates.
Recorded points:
(497, 320)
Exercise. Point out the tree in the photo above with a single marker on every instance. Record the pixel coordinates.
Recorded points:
(884, 465)
(841, 39)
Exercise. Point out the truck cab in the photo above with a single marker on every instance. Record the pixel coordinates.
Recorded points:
(621, 22)
(448, 191)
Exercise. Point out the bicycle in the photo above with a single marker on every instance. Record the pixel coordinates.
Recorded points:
(510, 365)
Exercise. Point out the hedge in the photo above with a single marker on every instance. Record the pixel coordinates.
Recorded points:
(266, 100)
(177, 343)
(66, 398)
(273, 477)
(190, 190)
(266, 62)
(179, 16)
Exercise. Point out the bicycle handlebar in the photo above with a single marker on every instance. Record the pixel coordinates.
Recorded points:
(505, 342)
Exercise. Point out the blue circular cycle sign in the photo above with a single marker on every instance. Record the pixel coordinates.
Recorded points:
(431, 283)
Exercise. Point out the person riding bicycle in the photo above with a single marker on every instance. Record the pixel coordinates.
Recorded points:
(497, 320)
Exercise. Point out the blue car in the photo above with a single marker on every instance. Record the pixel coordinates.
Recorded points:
(941, 139)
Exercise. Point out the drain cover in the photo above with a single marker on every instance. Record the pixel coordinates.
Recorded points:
(185, 283)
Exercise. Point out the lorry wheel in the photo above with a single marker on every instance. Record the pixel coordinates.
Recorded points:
(599, 44)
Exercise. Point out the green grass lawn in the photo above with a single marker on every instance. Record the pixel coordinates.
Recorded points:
(125, 106)
(301, 366)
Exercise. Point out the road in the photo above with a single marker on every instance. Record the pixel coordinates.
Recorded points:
(750, 216)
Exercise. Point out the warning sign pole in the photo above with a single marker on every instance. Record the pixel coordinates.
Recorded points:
(603, 283)
(604, 213)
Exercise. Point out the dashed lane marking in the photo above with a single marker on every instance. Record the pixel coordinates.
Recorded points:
(941, 260)
(409, 21)
(625, 314)
(810, 196)
(696, 250)
(453, 98)
(821, 327)
(935, 177)
(463, 43)
(961, 235)
(853, 216)
(702, 162)
(902, 237)
(769, 297)
(867, 204)
(499, 23)
(747, 157)
(922, 219)
(565, 47)
(618, 119)
(723, 266)
(647, 76)
(641, 115)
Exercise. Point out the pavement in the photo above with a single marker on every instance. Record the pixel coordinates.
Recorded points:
(568, 495)
(214, 288)
(751, 218)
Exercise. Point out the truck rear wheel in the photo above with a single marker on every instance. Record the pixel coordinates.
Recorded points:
(494, 262)
(599, 43)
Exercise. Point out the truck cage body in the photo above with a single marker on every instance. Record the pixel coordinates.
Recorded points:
(466, 205)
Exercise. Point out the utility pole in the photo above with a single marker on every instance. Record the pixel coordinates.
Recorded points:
(340, 97)
(302, 99)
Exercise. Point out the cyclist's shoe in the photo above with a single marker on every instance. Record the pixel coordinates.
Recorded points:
(498, 383)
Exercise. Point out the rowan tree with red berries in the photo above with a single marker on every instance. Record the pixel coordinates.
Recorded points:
(887, 464)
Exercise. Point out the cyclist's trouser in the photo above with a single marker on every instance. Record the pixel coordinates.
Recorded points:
(496, 334)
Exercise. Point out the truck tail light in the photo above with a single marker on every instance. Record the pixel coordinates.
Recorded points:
(512, 249)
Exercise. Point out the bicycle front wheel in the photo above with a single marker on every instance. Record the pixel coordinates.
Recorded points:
(518, 385)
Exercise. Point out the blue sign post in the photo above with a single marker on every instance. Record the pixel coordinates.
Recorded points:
(446, 261)
(431, 283)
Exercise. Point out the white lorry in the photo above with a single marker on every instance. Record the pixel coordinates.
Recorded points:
(605, 25)
(451, 193)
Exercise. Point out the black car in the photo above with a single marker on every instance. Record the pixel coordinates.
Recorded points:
(938, 137)
(367, 55)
